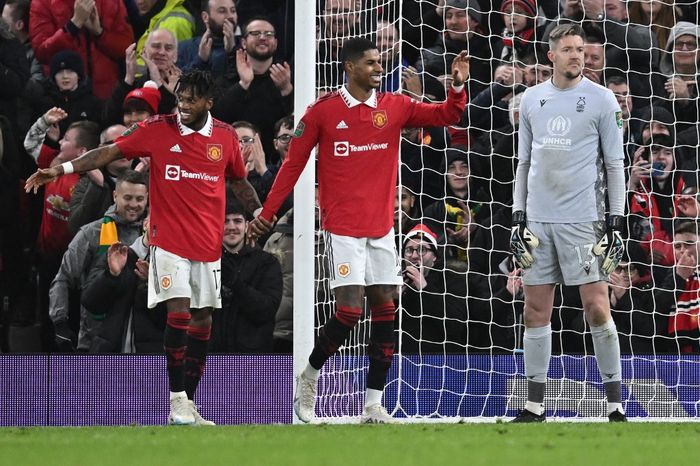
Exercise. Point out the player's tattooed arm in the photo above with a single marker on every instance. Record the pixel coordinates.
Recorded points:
(245, 193)
(95, 158)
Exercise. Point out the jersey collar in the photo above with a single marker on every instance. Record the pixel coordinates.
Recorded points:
(204, 131)
(351, 102)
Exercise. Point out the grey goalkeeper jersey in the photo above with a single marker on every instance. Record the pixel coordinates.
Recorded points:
(571, 140)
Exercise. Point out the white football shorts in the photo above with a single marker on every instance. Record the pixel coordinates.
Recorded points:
(171, 276)
(363, 261)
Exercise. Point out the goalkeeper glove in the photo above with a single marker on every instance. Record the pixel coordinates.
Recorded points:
(611, 246)
(522, 241)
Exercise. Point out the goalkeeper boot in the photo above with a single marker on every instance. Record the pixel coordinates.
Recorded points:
(376, 414)
(180, 411)
(305, 398)
(617, 416)
(529, 416)
(198, 419)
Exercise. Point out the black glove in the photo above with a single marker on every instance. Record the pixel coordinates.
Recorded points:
(611, 246)
(522, 241)
(66, 339)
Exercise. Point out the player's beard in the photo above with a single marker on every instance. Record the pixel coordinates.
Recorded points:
(571, 76)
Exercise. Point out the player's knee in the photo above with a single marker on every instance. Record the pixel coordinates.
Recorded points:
(536, 316)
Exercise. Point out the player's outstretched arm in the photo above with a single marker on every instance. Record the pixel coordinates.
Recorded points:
(95, 158)
(245, 193)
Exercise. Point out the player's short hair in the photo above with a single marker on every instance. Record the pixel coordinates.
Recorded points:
(563, 30)
(353, 49)
(245, 124)
(687, 226)
(199, 82)
(133, 177)
(88, 134)
(286, 121)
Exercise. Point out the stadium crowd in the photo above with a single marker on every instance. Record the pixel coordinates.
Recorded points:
(75, 74)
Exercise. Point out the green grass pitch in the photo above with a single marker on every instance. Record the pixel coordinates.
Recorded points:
(566, 444)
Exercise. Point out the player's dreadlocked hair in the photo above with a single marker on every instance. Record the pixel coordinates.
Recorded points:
(200, 83)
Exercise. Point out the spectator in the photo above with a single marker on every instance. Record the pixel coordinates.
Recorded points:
(138, 104)
(54, 234)
(121, 223)
(519, 36)
(632, 304)
(619, 86)
(94, 193)
(116, 286)
(458, 213)
(536, 70)
(679, 65)
(95, 29)
(678, 297)
(660, 15)
(14, 73)
(688, 203)
(262, 175)
(594, 59)
(433, 319)
(388, 46)
(281, 245)
(15, 13)
(215, 49)
(170, 15)
(163, 73)
(462, 31)
(263, 93)
(67, 88)
(655, 182)
(404, 210)
(251, 290)
(339, 21)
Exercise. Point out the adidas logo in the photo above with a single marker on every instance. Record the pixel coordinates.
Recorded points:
(342, 125)
(176, 148)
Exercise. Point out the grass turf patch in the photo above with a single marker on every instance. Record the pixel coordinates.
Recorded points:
(414, 444)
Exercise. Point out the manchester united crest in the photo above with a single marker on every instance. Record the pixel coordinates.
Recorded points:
(165, 282)
(214, 152)
(379, 119)
(344, 269)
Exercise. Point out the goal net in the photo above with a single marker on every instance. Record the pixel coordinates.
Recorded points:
(459, 339)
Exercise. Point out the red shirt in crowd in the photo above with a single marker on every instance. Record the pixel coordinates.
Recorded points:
(186, 188)
(54, 234)
(358, 146)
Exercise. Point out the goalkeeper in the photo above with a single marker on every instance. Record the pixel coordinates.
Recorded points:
(570, 155)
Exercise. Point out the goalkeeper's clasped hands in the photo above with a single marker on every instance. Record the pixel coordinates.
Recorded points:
(610, 246)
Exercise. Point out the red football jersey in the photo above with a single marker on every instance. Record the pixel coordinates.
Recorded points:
(358, 147)
(54, 234)
(187, 181)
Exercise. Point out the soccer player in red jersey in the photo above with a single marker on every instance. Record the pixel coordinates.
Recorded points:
(191, 153)
(357, 130)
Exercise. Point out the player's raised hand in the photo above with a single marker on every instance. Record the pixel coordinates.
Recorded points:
(116, 258)
(460, 68)
(41, 177)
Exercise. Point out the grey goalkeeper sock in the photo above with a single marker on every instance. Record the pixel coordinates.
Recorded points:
(537, 345)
